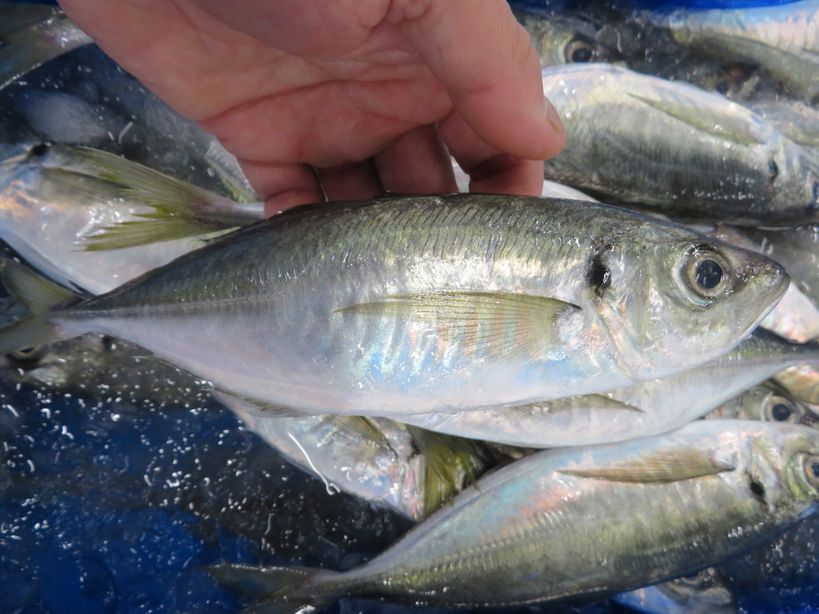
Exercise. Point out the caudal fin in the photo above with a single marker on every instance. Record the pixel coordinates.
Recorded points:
(278, 590)
(179, 209)
(40, 296)
(450, 465)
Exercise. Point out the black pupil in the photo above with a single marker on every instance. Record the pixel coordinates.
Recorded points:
(581, 54)
(814, 467)
(781, 412)
(708, 274)
(39, 150)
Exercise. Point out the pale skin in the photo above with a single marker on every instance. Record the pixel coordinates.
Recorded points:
(344, 99)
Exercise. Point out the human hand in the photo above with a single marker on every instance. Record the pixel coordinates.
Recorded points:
(344, 98)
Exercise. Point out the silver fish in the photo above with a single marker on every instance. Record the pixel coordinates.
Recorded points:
(784, 40)
(385, 469)
(708, 591)
(32, 34)
(583, 522)
(428, 304)
(796, 120)
(58, 203)
(646, 409)
(636, 138)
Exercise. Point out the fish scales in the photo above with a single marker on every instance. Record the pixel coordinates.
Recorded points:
(425, 303)
(544, 528)
(645, 140)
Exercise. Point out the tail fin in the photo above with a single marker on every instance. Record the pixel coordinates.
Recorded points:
(450, 465)
(40, 296)
(279, 590)
(31, 35)
(179, 209)
(230, 173)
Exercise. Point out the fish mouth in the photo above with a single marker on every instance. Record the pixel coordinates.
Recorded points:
(775, 282)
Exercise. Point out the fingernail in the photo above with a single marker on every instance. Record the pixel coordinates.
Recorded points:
(553, 117)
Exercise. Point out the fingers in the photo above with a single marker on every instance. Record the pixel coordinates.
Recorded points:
(417, 162)
(283, 185)
(358, 181)
(485, 60)
(489, 169)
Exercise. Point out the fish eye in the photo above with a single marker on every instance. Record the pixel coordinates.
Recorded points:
(781, 412)
(25, 356)
(780, 409)
(707, 273)
(39, 150)
(579, 51)
(811, 467)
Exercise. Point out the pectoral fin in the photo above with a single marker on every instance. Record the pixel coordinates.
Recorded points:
(494, 323)
(656, 468)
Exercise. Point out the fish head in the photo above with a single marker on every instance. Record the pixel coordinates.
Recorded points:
(30, 173)
(679, 299)
(58, 366)
(568, 41)
(13, 168)
(782, 466)
(771, 403)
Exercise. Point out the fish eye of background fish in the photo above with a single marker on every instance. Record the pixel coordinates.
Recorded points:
(26, 357)
(810, 470)
(579, 50)
(38, 150)
(780, 409)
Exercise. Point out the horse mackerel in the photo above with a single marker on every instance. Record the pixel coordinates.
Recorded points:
(430, 303)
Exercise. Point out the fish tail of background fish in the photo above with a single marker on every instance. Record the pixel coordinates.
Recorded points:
(32, 34)
(450, 465)
(230, 173)
(180, 209)
(281, 589)
(40, 296)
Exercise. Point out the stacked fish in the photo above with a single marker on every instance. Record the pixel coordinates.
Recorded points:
(398, 348)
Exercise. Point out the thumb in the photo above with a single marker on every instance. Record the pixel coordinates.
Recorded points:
(485, 60)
